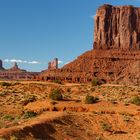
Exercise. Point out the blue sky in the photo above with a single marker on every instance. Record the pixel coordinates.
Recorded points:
(32, 32)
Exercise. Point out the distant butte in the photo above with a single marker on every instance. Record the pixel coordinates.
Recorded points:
(115, 57)
(15, 73)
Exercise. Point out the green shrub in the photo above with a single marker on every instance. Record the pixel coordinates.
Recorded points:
(58, 81)
(5, 84)
(135, 100)
(8, 117)
(95, 82)
(56, 94)
(105, 126)
(29, 114)
(90, 99)
(29, 99)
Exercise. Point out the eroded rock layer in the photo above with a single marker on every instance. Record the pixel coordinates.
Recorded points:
(108, 65)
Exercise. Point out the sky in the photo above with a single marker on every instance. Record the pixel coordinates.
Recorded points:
(33, 32)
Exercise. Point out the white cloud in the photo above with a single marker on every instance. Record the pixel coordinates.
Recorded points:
(60, 62)
(33, 62)
(20, 61)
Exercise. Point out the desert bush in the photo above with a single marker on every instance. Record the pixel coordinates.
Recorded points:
(29, 114)
(135, 100)
(92, 89)
(29, 99)
(8, 117)
(95, 82)
(105, 126)
(56, 94)
(5, 84)
(90, 99)
(58, 81)
(3, 93)
(126, 118)
(68, 89)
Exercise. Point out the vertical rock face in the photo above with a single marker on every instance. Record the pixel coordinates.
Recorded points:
(1, 65)
(117, 28)
(53, 64)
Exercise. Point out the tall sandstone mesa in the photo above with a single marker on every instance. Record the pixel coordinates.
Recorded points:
(115, 57)
(117, 27)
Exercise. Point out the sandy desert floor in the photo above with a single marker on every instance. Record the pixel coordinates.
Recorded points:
(27, 112)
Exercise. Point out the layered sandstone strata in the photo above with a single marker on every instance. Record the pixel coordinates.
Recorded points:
(117, 28)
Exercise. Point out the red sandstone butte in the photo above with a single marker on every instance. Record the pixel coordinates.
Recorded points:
(15, 73)
(117, 27)
(115, 57)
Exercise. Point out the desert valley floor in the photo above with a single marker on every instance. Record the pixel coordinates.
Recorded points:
(28, 113)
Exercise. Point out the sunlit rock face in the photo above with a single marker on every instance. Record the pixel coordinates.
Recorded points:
(117, 27)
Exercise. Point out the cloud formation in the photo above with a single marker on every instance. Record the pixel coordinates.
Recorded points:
(21, 61)
(60, 62)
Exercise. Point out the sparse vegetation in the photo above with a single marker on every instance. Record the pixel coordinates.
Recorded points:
(91, 99)
(29, 114)
(56, 94)
(29, 99)
(8, 117)
(95, 82)
(21, 103)
(105, 126)
(68, 89)
(3, 93)
(57, 81)
(135, 100)
(5, 84)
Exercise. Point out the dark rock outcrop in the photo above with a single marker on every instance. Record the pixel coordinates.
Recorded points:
(1, 65)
